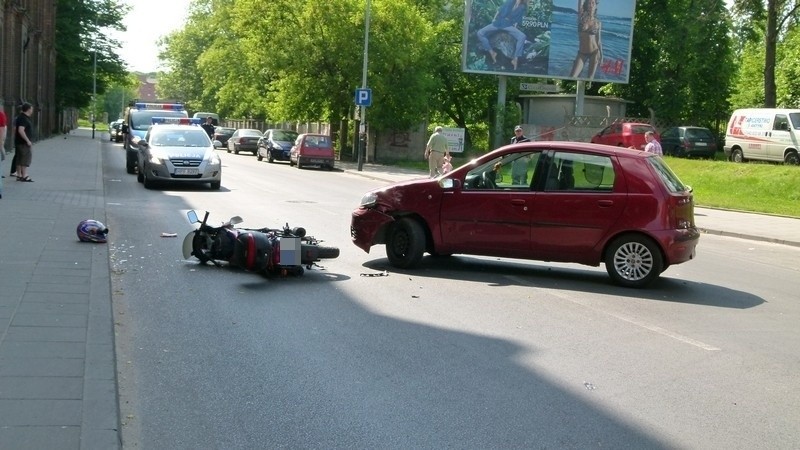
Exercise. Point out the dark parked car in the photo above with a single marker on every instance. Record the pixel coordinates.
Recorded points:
(222, 134)
(624, 134)
(689, 141)
(578, 203)
(244, 140)
(312, 150)
(115, 131)
(275, 144)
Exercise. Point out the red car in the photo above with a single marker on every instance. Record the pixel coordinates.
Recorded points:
(624, 134)
(550, 201)
(312, 150)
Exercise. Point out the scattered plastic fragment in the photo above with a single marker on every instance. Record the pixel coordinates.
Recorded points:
(378, 274)
(169, 234)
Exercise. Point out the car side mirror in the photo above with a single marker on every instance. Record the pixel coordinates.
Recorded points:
(217, 143)
(449, 183)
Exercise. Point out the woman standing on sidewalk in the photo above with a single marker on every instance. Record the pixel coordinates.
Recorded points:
(22, 141)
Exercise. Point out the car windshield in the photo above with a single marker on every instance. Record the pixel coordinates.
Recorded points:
(699, 133)
(671, 181)
(284, 135)
(247, 132)
(141, 120)
(795, 118)
(179, 138)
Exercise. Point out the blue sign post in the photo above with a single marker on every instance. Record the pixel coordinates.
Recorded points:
(364, 97)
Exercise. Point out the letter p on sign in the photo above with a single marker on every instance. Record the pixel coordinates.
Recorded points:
(364, 97)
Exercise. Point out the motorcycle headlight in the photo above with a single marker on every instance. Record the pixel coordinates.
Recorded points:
(369, 200)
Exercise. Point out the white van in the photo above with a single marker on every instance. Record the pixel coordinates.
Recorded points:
(763, 134)
(202, 116)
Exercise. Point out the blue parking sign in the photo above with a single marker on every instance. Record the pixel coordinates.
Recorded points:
(364, 97)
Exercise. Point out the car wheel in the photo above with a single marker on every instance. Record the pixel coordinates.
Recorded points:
(633, 261)
(298, 163)
(215, 185)
(270, 158)
(792, 158)
(130, 167)
(405, 243)
(737, 155)
(228, 149)
(140, 176)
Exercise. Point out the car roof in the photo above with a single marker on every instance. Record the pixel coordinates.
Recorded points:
(173, 127)
(598, 149)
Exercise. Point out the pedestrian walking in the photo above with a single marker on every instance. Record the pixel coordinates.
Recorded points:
(22, 141)
(652, 144)
(435, 152)
(3, 132)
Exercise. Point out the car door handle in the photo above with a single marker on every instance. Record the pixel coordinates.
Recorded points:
(518, 202)
(605, 203)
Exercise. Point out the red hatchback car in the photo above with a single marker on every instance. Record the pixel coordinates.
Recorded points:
(550, 201)
(624, 134)
(312, 150)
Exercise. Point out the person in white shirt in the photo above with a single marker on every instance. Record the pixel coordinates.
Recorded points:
(652, 144)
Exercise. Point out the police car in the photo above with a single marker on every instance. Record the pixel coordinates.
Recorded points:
(137, 120)
(177, 150)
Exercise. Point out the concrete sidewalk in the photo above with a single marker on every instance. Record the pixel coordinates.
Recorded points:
(57, 363)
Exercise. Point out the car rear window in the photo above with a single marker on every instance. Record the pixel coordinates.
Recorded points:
(699, 133)
(671, 181)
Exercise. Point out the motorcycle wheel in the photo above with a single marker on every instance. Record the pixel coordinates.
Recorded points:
(328, 252)
(200, 248)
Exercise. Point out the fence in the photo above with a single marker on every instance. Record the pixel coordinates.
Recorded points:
(300, 127)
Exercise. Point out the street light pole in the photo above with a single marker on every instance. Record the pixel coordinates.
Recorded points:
(362, 146)
(94, 81)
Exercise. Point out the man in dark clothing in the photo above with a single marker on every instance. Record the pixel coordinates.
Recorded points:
(22, 141)
(209, 127)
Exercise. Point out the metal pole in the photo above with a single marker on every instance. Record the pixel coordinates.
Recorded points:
(498, 119)
(362, 146)
(94, 82)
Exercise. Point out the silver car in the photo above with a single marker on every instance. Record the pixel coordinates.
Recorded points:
(178, 154)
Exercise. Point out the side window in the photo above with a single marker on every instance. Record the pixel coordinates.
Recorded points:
(514, 171)
(579, 172)
(781, 123)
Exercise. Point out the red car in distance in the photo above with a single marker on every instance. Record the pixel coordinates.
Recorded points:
(624, 134)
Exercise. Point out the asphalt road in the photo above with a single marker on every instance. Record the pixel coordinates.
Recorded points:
(465, 352)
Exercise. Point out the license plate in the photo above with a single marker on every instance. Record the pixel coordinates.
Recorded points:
(317, 161)
(186, 172)
(701, 144)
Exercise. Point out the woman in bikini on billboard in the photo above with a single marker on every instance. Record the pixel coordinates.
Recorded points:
(590, 49)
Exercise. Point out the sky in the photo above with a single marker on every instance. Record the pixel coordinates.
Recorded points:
(147, 21)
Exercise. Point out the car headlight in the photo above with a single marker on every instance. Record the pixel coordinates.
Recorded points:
(214, 160)
(369, 200)
(156, 160)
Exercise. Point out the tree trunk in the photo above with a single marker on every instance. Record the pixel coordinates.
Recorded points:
(771, 42)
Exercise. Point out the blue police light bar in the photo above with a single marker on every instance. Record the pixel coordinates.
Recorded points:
(175, 121)
(161, 106)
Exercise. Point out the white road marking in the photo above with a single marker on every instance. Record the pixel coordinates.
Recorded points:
(646, 326)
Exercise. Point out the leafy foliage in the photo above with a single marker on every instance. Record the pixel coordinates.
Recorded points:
(81, 46)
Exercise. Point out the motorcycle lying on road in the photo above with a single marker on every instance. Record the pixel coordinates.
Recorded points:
(263, 250)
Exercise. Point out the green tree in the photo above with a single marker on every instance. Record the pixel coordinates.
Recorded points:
(81, 46)
(769, 20)
(682, 59)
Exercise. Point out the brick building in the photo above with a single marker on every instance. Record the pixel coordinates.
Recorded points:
(28, 61)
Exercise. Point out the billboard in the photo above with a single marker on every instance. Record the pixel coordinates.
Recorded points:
(570, 39)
